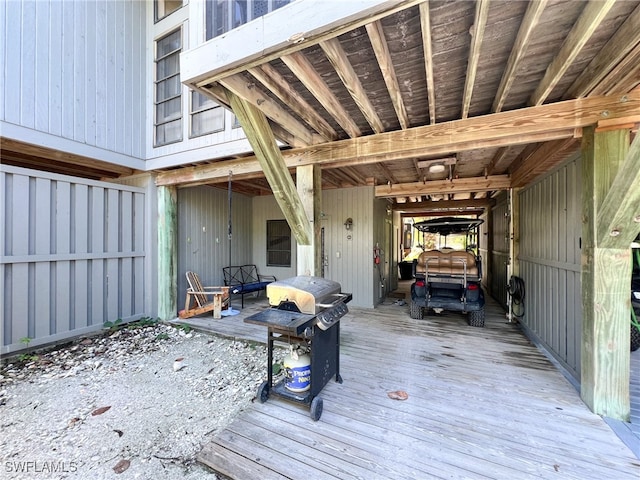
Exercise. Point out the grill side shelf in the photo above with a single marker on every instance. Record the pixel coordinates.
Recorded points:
(291, 322)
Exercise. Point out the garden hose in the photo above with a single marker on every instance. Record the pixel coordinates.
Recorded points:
(516, 291)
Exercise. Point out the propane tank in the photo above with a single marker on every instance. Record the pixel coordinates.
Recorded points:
(297, 367)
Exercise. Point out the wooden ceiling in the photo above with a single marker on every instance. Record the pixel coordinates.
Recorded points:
(497, 91)
(374, 101)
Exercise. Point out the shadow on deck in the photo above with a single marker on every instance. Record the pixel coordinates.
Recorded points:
(483, 403)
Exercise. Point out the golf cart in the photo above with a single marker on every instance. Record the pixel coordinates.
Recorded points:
(449, 278)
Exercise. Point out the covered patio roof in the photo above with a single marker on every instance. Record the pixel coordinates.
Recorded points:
(426, 100)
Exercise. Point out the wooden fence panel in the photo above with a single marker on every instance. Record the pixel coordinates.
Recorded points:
(72, 256)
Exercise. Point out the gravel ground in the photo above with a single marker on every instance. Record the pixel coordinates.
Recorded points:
(119, 402)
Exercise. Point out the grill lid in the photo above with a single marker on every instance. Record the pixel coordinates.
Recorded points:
(309, 294)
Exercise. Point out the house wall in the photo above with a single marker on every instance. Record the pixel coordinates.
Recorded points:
(77, 77)
(203, 238)
(348, 261)
(73, 256)
(550, 230)
(499, 257)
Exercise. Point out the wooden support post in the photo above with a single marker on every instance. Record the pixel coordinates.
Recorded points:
(167, 252)
(309, 185)
(606, 279)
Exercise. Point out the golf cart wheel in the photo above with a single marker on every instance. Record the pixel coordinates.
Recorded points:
(316, 409)
(416, 311)
(263, 392)
(476, 318)
(635, 338)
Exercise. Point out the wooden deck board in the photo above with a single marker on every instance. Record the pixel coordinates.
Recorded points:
(483, 403)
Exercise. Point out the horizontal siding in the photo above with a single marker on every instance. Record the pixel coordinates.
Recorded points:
(76, 70)
(73, 256)
(550, 230)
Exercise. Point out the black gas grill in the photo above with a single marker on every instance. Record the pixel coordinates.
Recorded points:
(304, 310)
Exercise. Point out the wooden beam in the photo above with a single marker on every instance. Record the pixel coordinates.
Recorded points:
(533, 124)
(616, 49)
(473, 204)
(338, 58)
(529, 22)
(593, 13)
(605, 279)
(247, 91)
(309, 184)
(302, 68)
(272, 80)
(425, 26)
(618, 220)
(444, 187)
(39, 151)
(381, 50)
(479, 24)
(167, 252)
(259, 134)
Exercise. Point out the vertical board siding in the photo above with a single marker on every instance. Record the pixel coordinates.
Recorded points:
(550, 230)
(78, 70)
(72, 256)
(203, 240)
(500, 254)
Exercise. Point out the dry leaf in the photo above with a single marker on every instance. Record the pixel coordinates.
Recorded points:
(100, 411)
(121, 466)
(398, 395)
(73, 421)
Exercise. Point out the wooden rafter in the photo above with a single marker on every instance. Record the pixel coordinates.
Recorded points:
(529, 22)
(305, 72)
(593, 13)
(246, 90)
(480, 22)
(338, 58)
(497, 158)
(272, 80)
(259, 134)
(231, 53)
(425, 26)
(354, 176)
(616, 49)
(381, 50)
(623, 77)
(387, 173)
(444, 187)
(544, 123)
(540, 159)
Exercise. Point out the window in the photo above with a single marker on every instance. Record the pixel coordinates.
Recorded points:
(225, 15)
(162, 8)
(168, 94)
(207, 116)
(278, 243)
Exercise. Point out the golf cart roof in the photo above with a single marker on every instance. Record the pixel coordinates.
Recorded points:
(447, 225)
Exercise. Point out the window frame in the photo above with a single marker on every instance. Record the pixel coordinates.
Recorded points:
(157, 82)
(157, 3)
(272, 237)
(193, 112)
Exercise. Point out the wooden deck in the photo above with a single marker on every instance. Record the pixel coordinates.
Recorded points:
(483, 403)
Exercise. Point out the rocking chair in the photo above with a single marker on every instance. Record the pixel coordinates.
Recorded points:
(197, 301)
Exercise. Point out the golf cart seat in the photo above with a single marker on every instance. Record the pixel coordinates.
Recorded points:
(450, 262)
